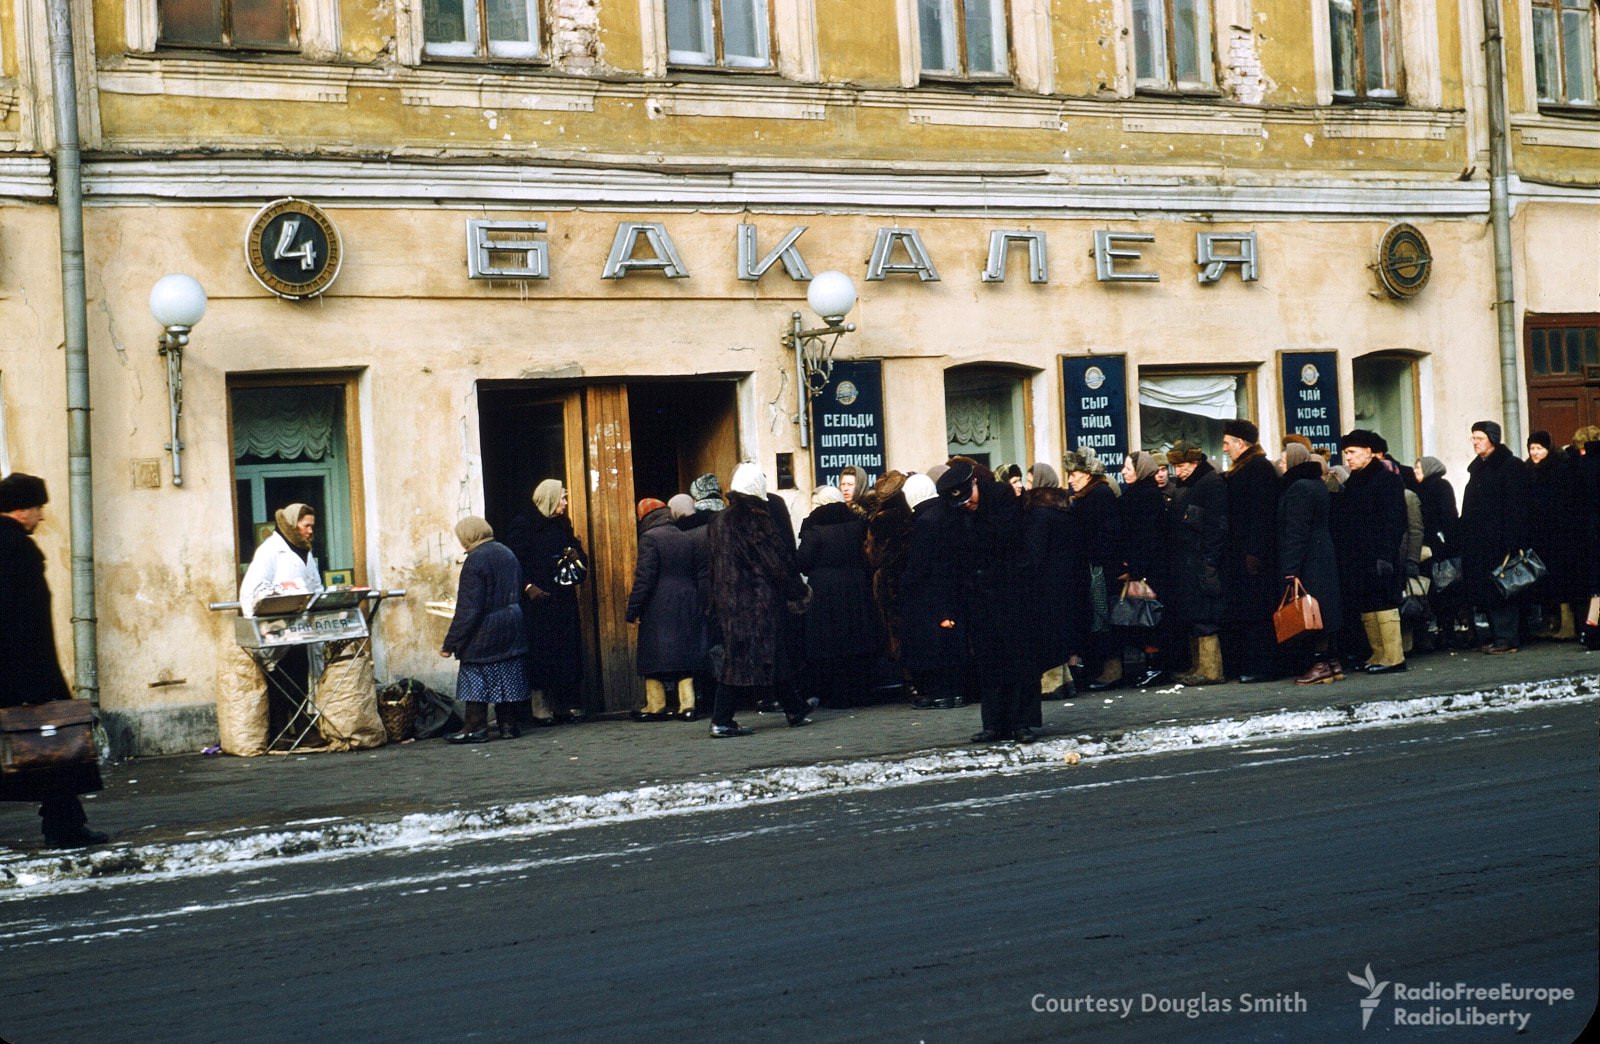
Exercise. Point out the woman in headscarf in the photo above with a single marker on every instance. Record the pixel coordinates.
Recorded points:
(553, 564)
(285, 564)
(670, 583)
(1557, 525)
(853, 487)
(1094, 537)
(1142, 529)
(841, 627)
(1050, 599)
(1306, 552)
(486, 634)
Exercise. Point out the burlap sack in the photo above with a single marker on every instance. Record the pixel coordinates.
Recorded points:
(241, 705)
(349, 704)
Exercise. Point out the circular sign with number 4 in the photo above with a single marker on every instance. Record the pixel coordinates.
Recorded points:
(293, 249)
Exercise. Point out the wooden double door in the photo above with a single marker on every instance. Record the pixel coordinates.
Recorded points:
(1563, 367)
(611, 444)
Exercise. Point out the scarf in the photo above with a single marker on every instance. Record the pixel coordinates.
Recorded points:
(288, 518)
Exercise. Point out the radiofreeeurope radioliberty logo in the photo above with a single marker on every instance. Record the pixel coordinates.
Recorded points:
(1374, 988)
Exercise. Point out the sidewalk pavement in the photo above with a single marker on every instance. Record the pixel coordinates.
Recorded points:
(188, 797)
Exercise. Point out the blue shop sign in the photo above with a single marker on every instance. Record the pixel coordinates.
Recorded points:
(1310, 383)
(1095, 401)
(847, 422)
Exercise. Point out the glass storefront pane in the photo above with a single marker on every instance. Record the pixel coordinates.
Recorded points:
(936, 31)
(744, 33)
(689, 32)
(1386, 401)
(1191, 32)
(986, 36)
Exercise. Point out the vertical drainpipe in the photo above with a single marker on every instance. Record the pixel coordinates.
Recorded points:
(1505, 297)
(74, 309)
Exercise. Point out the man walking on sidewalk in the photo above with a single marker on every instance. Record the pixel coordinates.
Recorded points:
(29, 671)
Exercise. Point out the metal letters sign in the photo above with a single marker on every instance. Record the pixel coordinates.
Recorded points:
(1310, 383)
(1095, 393)
(847, 422)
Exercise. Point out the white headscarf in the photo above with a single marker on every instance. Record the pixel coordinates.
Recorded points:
(749, 480)
(919, 488)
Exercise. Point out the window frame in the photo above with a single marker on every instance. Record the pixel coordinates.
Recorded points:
(963, 73)
(1557, 8)
(718, 57)
(483, 49)
(1393, 94)
(225, 43)
(1248, 374)
(1173, 85)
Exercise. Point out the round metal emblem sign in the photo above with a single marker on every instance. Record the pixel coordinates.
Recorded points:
(846, 393)
(1094, 377)
(293, 249)
(1309, 374)
(1404, 263)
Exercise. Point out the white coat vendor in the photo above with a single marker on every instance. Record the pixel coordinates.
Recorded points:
(285, 564)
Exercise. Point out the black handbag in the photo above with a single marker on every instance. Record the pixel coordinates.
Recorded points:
(1446, 571)
(1138, 606)
(1517, 573)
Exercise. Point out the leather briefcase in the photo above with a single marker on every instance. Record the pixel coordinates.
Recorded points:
(41, 736)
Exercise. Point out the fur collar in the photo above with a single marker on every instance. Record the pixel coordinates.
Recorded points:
(1046, 497)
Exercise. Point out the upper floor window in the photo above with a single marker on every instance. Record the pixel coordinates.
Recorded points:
(1564, 51)
(1366, 48)
(1172, 44)
(242, 24)
(481, 28)
(735, 34)
(963, 38)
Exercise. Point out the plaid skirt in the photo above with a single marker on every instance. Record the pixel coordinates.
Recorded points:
(498, 682)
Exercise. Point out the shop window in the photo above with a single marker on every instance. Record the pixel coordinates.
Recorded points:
(1560, 352)
(963, 38)
(1564, 46)
(292, 445)
(228, 24)
(733, 34)
(1172, 45)
(1385, 386)
(985, 416)
(1192, 406)
(1366, 49)
(482, 28)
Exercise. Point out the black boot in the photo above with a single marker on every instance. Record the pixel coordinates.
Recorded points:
(505, 718)
(475, 724)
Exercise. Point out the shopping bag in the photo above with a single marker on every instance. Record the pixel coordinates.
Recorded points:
(1297, 613)
(1446, 571)
(43, 737)
(1517, 573)
(1414, 605)
(1137, 607)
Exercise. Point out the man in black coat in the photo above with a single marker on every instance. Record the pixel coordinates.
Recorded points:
(1494, 524)
(29, 671)
(1369, 532)
(1198, 517)
(933, 613)
(1250, 577)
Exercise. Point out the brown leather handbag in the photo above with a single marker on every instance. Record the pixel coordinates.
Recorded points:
(41, 736)
(1297, 613)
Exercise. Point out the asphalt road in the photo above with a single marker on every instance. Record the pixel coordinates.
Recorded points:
(1462, 851)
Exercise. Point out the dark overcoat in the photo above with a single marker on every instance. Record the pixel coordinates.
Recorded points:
(671, 582)
(753, 579)
(931, 590)
(1052, 593)
(1558, 524)
(888, 544)
(1494, 519)
(1589, 472)
(1439, 517)
(29, 670)
(1369, 534)
(1142, 535)
(555, 637)
(1252, 590)
(487, 626)
(1305, 541)
(992, 562)
(842, 621)
(1198, 519)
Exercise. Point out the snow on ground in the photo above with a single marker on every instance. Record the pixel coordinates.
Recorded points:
(29, 874)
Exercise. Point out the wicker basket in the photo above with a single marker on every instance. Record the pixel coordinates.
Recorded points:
(399, 713)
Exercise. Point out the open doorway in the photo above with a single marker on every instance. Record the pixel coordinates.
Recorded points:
(681, 430)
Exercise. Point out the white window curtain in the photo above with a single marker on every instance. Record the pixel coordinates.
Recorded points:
(285, 423)
(1213, 396)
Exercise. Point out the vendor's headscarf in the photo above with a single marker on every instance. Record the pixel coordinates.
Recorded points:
(681, 506)
(547, 496)
(472, 531)
(749, 480)
(288, 518)
(1145, 464)
(1043, 476)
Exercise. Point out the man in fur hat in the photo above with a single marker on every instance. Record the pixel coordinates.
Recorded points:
(1199, 521)
(1369, 532)
(29, 671)
(1250, 560)
(1494, 524)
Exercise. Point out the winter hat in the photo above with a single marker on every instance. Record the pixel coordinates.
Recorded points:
(681, 506)
(937, 471)
(1092, 459)
(1321, 461)
(1242, 429)
(1431, 466)
(1359, 437)
(1543, 439)
(919, 488)
(955, 485)
(472, 531)
(1491, 429)
(826, 495)
(749, 480)
(1145, 464)
(18, 492)
(1007, 472)
(1183, 452)
(706, 487)
(1294, 455)
(547, 496)
(1043, 476)
(1072, 461)
(1298, 439)
(647, 505)
(1380, 444)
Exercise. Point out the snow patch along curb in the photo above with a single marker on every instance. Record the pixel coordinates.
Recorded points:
(30, 874)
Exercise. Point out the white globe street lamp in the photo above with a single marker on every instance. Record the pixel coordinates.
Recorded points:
(178, 302)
